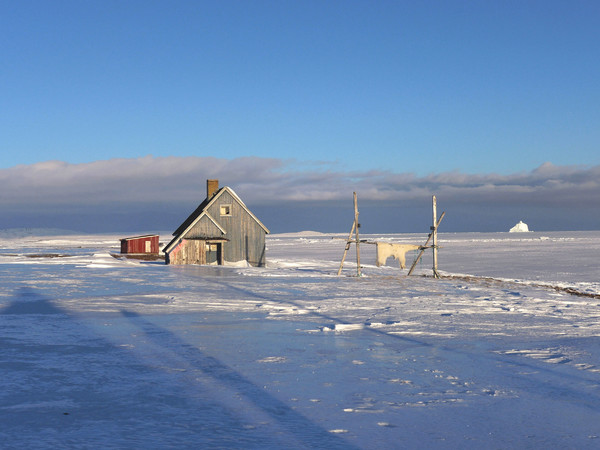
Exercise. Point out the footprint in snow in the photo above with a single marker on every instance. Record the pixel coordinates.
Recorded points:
(513, 293)
(273, 359)
(386, 424)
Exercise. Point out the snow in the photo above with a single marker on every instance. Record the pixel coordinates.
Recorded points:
(521, 227)
(503, 351)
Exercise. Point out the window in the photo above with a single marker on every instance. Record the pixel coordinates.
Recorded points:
(225, 210)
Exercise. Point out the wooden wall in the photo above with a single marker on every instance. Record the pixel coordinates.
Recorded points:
(204, 229)
(192, 251)
(246, 238)
(138, 245)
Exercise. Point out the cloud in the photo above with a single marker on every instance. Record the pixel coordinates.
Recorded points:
(156, 187)
(144, 180)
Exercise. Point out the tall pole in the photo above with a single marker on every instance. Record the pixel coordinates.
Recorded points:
(434, 231)
(356, 226)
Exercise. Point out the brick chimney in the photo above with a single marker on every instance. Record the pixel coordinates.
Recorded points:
(212, 186)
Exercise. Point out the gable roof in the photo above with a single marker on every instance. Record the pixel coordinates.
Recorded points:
(194, 215)
(201, 211)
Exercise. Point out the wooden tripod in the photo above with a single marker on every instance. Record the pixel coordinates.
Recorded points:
(432, 235)
(350, 240)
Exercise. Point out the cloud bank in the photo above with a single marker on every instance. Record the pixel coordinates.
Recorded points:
(157, 193)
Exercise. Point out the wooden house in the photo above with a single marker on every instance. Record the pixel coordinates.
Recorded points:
(221, 230)
(140, 245)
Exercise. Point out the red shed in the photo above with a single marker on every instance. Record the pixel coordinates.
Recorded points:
(146, 245)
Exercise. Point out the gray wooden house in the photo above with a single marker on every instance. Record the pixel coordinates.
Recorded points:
(221, 230)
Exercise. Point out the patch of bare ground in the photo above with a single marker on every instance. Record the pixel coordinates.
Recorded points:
(47, 255)
(141, 257)
(490, 280)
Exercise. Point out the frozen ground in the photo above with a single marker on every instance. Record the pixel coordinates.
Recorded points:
(99, 352)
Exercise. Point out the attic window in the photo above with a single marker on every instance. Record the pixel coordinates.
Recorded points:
(225, 210)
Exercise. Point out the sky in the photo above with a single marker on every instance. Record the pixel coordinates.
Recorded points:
(121, 110)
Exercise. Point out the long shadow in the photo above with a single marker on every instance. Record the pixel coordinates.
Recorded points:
(28, 301)
(63, 382)
(304, 430)
(534, 384)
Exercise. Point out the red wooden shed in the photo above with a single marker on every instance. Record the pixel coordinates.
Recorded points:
(145, 245)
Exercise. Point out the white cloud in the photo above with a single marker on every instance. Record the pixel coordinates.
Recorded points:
(179, 184)
(261, 180)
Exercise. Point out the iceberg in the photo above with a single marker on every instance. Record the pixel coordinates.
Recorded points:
(521, 227)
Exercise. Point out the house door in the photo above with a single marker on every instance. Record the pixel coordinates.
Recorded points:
(213, 254)
(148, 246)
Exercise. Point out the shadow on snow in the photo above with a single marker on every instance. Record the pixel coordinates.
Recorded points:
(64, 384)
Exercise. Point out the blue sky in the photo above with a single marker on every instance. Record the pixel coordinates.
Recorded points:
(343, 87)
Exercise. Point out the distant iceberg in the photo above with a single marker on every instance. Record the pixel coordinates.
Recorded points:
(521, 227)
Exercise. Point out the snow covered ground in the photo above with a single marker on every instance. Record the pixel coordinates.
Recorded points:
(104, 352)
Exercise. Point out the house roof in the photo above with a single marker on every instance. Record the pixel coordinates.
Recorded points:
(139, 237)
(194, 215)
(201, 211)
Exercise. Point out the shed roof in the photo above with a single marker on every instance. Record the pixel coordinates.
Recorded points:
(139, 237)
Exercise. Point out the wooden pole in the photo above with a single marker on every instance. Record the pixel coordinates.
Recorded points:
(435, 246)
(350, 240)
(356, 227)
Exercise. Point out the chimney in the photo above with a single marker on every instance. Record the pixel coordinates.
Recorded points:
(212, 186)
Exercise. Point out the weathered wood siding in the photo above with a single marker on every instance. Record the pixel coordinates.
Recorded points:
(141, 244)
(205, 228)
(224, 227)
(188, 251)
(246, 238)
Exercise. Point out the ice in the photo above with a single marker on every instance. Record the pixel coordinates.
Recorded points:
(521, 227)
(99, 351)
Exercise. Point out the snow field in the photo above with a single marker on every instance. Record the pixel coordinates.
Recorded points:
(104, 352)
